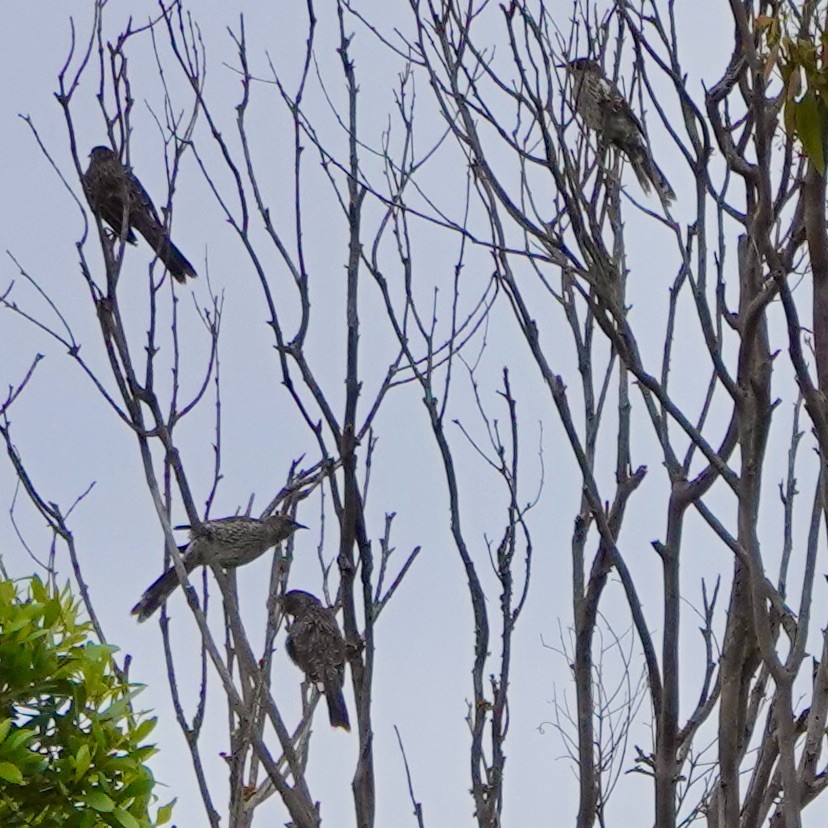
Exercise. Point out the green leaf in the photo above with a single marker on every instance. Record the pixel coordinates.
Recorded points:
(99, 801)
(82, 760)
(810, 130)
(143, 730)
(165, 813)
(125, 818)
(99, 652)
(140, 787)
(11, 773)
(19, 737)
(51, 612)
(39, 592)
(116, 710)
(20, 623)
(144, 753)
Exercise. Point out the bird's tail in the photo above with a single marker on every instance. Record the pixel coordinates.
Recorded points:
(337, 711)
(159, 591)
(173, 259)
(648, 172)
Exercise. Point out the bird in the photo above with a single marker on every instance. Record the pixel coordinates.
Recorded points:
(228, 542)
(114, 193)
(603, 108)
(316, 646)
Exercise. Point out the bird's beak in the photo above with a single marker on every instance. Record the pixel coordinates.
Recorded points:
(299, 525)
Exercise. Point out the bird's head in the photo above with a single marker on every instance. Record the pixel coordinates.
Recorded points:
(102, 153)
(581, 65)
(298, 601)
(283, 525)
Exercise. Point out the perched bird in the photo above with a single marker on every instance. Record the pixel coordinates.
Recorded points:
(317, 647)
(604, 109)
(113, 192)
(229, 542)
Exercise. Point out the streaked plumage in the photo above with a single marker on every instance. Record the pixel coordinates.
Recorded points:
(112, 189)
(602, 107)
(229, 542)
(317, 647)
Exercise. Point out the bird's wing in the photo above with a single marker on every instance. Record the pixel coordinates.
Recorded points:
(230, 519)
(616, 104)
(142, 207)
(293, 650)
(207, 529)
(301, 646)
(331, 639)
(623, 108)
(316, 645)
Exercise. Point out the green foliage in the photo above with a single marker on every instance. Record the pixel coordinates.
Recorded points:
(809, 118)
(806, 115)
(70, 744)
(803, 65)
